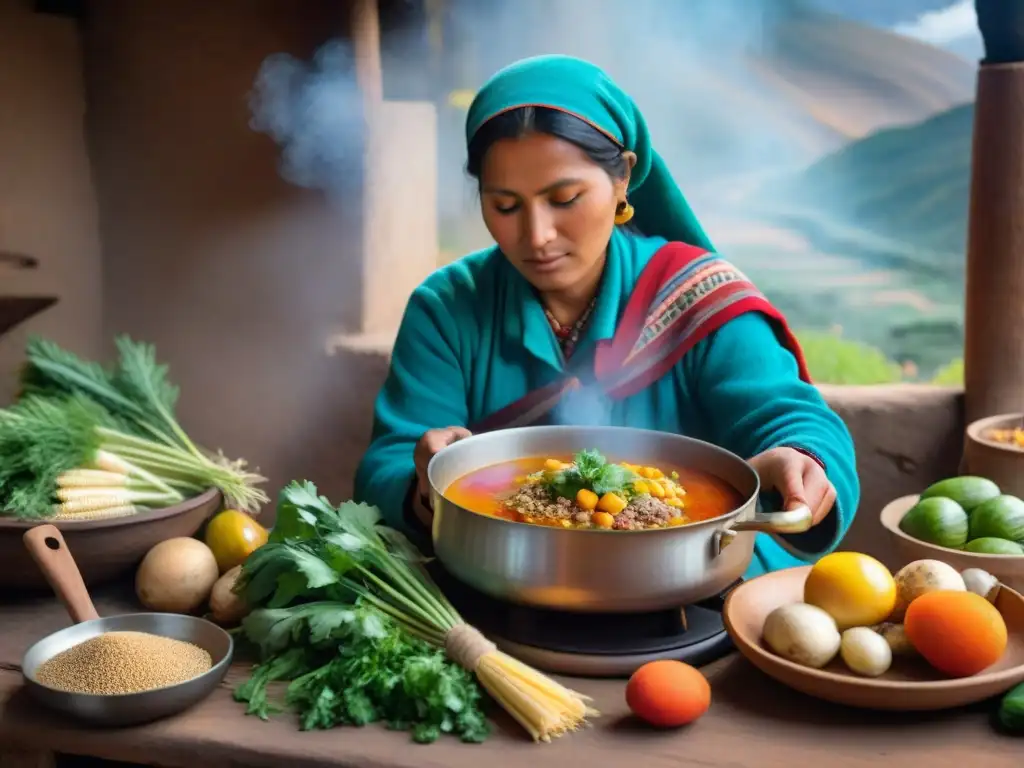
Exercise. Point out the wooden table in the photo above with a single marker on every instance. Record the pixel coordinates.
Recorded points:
(754, 723)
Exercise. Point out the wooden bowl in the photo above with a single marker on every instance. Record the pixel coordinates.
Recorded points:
(1000, 463)
(1009, 569)
(909, 685)
(104, 549)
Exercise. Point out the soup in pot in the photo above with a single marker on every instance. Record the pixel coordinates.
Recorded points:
(589, 491)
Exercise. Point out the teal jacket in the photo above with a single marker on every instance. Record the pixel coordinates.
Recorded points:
(474, 339)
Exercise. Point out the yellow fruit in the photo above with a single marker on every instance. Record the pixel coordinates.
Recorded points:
(233, 536)
(854, 589)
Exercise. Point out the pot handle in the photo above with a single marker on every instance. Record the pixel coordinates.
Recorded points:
(791, 521)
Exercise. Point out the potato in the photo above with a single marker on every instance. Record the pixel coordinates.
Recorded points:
(176, 576)
(227, 608)
(803, 634)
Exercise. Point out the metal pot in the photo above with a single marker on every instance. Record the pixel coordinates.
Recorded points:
(595, 570)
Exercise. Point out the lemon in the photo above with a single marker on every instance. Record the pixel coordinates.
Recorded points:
(854, 589)
(233, 536)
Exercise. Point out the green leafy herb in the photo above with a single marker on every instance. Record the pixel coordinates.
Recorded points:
(337, 577)
(348, 665)
(343, 617)
(337, 581)
(590, 470)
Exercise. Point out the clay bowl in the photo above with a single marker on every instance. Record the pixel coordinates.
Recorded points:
(1009, 569)
(909, 685)
(104, 549)
(1000, 463)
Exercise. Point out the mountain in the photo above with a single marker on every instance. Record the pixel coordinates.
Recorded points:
(727, 86)
(881, 228)
(856, 79)
(908, 184)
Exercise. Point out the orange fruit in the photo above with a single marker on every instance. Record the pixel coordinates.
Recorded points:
(958, 633)
(233, 536)
(854, 589)
(668, 694)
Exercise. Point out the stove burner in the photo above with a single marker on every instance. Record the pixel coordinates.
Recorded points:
(593, 644)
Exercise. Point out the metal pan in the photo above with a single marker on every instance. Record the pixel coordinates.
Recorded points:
(591, 570)
(50, 552)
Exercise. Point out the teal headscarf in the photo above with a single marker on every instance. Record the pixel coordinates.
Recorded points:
(584, 90)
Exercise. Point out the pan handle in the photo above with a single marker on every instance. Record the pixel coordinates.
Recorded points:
(791, 521)
(50, 552)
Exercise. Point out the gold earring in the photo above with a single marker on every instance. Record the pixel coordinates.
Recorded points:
(623, 213)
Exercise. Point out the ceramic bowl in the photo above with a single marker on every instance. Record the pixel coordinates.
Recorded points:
(1009, 569)
(104, 549)
(1000, 463)
(909, 685)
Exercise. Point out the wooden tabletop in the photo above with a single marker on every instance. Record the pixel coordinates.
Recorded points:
(753, 723)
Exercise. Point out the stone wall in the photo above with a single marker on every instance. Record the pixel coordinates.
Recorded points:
(907, 437)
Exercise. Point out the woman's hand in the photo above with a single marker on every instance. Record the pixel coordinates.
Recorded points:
(432, 442)
(798, 478)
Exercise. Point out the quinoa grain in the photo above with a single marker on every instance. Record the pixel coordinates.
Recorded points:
(123, 662)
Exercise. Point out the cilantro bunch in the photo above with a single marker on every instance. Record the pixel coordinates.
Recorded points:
(346, 614)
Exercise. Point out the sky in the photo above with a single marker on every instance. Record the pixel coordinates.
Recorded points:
(954, 27)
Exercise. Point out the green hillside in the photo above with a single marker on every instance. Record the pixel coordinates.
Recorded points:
(893, 208)
(910, 185)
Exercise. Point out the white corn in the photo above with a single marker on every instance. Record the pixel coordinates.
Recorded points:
(90, 478)
(104, 513)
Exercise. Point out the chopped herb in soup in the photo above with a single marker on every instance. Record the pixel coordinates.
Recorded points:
(589, 491)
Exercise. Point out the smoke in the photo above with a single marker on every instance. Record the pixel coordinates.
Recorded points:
(313, 110)
(586, 407)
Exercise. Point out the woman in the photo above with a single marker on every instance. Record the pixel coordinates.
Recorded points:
(602, 302)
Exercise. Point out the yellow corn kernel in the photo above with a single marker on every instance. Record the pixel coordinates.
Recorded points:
(647, 472)
(656, 490)
(602, 519)
(657, 473)
(611, 503)
(566, 523)
(553, 464)
(677, 503)
(670, 490)
(640, 487)
(586, 499)
(681, 520)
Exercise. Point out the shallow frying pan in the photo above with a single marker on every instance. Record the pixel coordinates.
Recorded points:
(48, 549)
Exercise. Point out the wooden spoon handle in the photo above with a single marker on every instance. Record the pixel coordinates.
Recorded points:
(48, 548)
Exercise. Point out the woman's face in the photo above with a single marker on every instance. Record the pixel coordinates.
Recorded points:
(549, 208)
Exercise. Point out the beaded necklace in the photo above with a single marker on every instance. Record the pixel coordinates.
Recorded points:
(568, 336)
